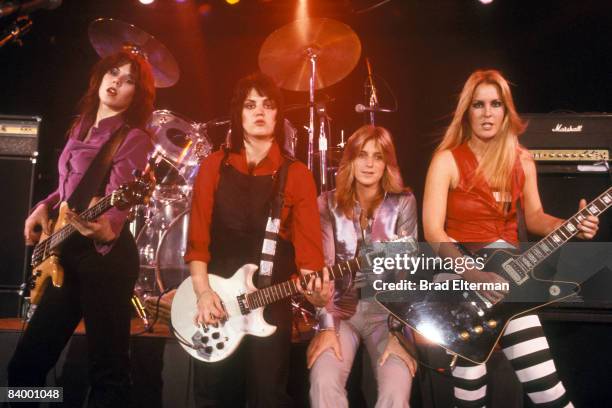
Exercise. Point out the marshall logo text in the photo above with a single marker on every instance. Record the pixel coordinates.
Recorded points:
(561, 128)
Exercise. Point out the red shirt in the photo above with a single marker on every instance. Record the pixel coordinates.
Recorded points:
(299, 217)
(472, 213)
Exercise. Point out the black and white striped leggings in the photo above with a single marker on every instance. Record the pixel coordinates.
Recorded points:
(526, 347)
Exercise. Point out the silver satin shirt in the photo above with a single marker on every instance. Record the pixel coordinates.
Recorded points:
(396, 216)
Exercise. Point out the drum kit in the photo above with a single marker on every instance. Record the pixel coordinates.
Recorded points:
(305, 55)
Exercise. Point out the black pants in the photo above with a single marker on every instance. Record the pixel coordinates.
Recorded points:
(256, 372)
(98, 289)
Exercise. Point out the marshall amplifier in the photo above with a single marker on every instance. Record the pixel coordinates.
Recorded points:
(569, 143)
(19, 135)
(572, 154)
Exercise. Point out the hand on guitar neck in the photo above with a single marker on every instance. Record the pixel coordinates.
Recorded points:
(589, 225)
(317, 291)
(99, 229)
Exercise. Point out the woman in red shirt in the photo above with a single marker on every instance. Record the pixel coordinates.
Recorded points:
(230, 208)
(476, 179)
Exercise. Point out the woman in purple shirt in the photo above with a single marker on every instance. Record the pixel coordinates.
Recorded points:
(100, 263)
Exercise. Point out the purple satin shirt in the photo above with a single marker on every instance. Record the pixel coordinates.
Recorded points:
(77, 155)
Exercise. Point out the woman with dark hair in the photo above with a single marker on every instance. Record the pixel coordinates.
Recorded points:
(229, 222)
(100, 263)
(370, 203)
(479, 179)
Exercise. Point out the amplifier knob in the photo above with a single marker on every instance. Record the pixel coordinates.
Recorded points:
(478, 329)
(492, 323)
(464, 335)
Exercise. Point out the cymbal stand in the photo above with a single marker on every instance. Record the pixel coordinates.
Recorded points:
(312, 56)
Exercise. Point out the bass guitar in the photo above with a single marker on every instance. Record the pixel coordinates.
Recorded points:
(45, 256)
(464, 322)
(244, 303)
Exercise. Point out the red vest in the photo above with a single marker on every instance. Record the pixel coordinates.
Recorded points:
(472, 213)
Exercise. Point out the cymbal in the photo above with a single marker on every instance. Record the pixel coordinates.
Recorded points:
(285, 54)
(109, 36)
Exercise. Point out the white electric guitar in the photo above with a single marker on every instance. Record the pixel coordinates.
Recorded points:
(244, 303)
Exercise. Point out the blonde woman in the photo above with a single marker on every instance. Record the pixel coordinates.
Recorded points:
(478, 177)
(370, 203)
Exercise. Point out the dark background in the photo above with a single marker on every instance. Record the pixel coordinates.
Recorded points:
(556, 53)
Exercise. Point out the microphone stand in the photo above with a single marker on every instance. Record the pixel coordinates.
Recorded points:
(18, 29)
(370, 93)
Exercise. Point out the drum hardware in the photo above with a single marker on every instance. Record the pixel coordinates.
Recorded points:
(108, 36)
(160, 228)
(140, 310)
(180, 146)
(306, 55)
(342, 142)
(323, 121)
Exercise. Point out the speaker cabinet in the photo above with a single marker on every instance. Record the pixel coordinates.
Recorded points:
(17, 175)
(587, 262)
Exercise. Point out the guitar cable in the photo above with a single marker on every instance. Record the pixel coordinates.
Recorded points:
(157, 304)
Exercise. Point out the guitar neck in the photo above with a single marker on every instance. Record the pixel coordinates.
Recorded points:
(531, 258)
(274, 293)
(44, 249)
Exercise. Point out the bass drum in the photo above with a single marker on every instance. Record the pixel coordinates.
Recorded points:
(161, 243)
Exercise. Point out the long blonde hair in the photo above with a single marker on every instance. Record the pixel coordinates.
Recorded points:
(391, 180)
(498, 159)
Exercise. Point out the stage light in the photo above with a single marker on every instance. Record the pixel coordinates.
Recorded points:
(232, 2)
(486, 1)
(146, 1)
(302, 10)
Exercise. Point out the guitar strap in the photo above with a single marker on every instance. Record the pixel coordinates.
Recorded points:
(268, 249)
(520, 214)
(97, 171)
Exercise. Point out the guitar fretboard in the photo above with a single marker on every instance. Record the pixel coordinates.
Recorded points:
(273, 293)
(44, 249)
(529, 259)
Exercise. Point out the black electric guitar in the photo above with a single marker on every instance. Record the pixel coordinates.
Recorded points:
(45, 256)
(464, 322)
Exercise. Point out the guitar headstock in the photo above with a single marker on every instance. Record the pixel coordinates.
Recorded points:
(135, 192)
(386, 249)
